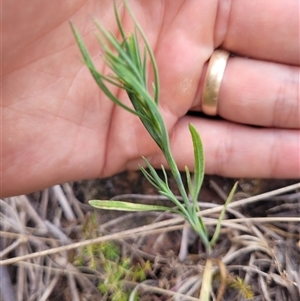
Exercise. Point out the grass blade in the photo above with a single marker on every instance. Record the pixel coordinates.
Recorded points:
(189, 180)
(221, 216)
(97, 76)
(127, 206)
(199, 163)
(150, 53)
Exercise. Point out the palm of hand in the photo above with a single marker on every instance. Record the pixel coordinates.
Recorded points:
(75, 132)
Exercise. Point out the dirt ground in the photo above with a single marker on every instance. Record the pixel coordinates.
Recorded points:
(259, 244)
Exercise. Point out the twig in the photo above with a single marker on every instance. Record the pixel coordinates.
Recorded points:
(251, 269)
(220, 192)
(183, 252)
(57, 233)
(50, 288)
(44, 203)
(149, 229)
(287, 197)
(73, 288)
(11, 247)
(24, 202)
(264, 196)
(115, 236)
(251, 248)
(21, 273)
(6, 290)
(264, 289)
(61, 198)
(71, 197)
(153, 289)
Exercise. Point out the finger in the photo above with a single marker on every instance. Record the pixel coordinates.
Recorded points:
(267, 30)
(237, 150)
(259, 93)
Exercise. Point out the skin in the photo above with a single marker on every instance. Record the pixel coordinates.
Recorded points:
(57, 125)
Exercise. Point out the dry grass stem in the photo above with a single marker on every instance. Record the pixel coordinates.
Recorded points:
(37, 237)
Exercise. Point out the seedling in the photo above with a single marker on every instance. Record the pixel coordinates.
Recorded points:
(106, 256)
(128, 60)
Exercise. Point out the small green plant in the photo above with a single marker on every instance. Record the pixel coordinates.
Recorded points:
(243, 289)
(116, 275)
(106, 257)
(94, 255)
(232, 281)
(128, 60)
(238, 284)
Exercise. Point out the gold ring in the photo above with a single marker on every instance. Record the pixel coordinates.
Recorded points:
(212, 81)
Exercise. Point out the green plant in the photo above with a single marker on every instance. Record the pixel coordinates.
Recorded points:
(106, 256)
(238, 284)
(128, 61)
(243, 289)
(116, 275)
(95, 255)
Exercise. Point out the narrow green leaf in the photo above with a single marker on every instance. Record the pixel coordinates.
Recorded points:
(189, 180)
(127, 206)
(150, 53)
(119, 49)
(199, 163)
(159, 182)
(182, 210)
(97, 76)
(149, 177)
(117, 16)
(165, 175)
(138, 58)
(145, 66)
(155, 70)
(221, 216)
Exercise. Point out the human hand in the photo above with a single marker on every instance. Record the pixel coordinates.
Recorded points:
(58, 126)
